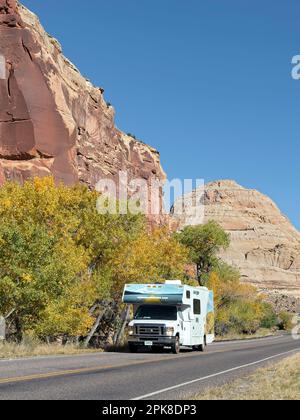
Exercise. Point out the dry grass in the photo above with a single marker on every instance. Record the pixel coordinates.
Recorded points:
(11, 350)
(262, 333)
(280, 381)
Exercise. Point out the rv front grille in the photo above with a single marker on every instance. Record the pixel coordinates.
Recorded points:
(149, 330)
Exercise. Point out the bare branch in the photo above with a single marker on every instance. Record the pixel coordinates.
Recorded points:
(10, 313)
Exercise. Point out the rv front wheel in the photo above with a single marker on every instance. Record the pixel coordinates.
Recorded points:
(133, 348)
(176, 346)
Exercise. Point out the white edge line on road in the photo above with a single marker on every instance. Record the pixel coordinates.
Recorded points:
(161, 391)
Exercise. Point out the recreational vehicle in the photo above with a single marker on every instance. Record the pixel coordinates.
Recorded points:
(170, 315)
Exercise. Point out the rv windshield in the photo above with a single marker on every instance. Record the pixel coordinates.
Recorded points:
(157, 312)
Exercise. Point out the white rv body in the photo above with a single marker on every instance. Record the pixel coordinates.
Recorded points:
(170, 315)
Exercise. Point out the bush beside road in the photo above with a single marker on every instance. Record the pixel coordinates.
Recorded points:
(261, 333)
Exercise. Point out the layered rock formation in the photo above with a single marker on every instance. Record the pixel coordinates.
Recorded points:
(52, 120)
(264, 244)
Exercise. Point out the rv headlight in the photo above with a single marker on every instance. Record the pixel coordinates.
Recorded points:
(130, 330)
(170, 331)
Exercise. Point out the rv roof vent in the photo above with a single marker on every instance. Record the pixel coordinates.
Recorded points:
(175, 282)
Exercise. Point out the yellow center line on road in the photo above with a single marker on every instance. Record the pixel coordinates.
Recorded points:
(96, 369)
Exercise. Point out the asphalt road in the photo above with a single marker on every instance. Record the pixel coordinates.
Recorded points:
(122, 376)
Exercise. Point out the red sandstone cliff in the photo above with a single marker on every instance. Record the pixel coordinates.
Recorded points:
(52, 120)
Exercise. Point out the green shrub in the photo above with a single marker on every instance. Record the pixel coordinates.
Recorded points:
(285, 321)
(244, 318)
(269, 319)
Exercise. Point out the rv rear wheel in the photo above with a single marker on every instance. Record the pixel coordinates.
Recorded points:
(202, 346)
(176, 346)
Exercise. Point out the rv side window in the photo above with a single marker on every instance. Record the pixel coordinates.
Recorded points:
(197, 307)
(188, 294)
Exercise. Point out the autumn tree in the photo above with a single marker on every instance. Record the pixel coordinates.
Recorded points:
(54, 254)
(239, 308)
(63, 265)
(204, 243)
(154, 256)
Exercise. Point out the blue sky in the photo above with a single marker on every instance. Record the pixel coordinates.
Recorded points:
(208, 83)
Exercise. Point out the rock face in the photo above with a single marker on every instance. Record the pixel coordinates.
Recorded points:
(52, 120)
(264, 244)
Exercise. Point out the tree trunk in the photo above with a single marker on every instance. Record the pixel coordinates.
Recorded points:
(120, 334)
(199, 275)
(10, 313)
(94, 329)
(19, 332)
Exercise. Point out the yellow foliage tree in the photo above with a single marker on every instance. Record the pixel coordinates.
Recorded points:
(153, 256)
(239, 307)
(55, 250)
